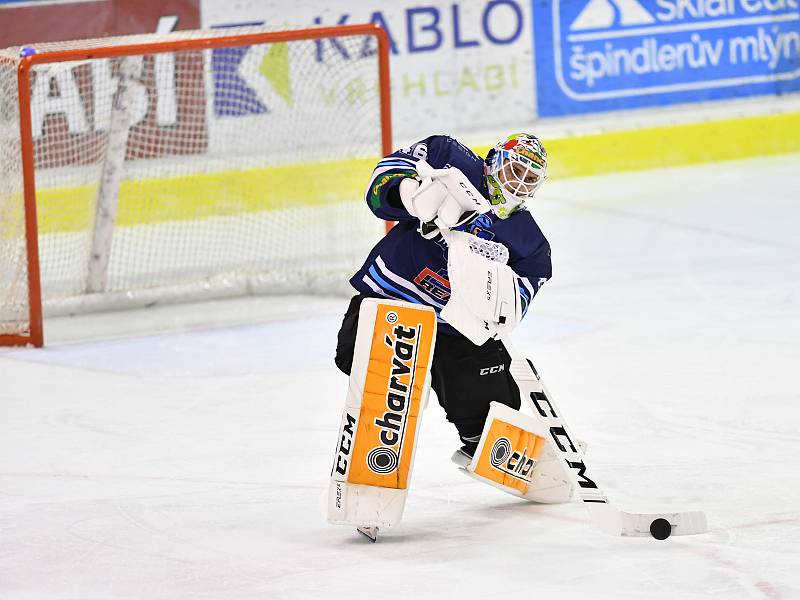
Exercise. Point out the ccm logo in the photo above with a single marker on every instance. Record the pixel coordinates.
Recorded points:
(346, 434)
(468, 192)
(495, 369)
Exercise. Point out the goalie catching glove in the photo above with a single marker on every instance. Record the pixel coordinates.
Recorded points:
(444, 200)
(484, 298)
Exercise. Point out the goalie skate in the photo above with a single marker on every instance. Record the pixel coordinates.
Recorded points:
(369, 532)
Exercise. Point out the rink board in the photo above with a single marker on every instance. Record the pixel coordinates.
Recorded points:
(197, 196)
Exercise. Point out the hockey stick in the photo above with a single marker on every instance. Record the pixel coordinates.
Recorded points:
(604, 514)
(533, 392)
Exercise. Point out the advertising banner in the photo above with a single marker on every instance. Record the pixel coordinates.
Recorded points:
(47, 21)
(601, 55)
(456, 67)
(71, 103)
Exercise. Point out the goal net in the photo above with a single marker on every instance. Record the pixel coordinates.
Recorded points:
(164, 168)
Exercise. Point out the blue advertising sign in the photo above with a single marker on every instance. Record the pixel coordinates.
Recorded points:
(233, 97)
(599, 55)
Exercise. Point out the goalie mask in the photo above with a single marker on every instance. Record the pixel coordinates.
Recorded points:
(515, 169)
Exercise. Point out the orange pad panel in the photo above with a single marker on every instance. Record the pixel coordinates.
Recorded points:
(394, 395)
(509, 455)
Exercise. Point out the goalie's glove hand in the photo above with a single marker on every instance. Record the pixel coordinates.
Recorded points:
(484, 294)
(442, 201)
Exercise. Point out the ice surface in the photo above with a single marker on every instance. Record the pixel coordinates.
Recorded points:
(191, 462)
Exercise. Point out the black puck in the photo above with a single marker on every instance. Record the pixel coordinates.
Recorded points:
(660, 529)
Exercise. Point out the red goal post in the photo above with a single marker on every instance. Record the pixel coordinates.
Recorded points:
(226, 176)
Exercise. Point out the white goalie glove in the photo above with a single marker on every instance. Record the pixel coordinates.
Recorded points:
(445, 199)
(484, 291)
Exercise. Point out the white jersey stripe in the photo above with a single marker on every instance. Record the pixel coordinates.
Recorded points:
(528, 286)
(384, 270)
(396, 160)
(374, 286)
(378, 172)
(381, 169)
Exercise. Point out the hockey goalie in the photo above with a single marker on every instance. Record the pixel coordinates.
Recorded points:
(432, 307)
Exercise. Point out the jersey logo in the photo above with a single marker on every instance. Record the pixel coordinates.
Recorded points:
(480, 227)
(375, 193)
(433, 283)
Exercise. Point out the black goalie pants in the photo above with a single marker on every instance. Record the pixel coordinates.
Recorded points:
(465, 377)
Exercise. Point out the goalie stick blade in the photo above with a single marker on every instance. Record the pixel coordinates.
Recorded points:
(618, 522)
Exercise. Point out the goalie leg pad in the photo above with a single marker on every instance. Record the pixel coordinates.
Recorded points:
(514, 455)
(508, 450)
(387, 392)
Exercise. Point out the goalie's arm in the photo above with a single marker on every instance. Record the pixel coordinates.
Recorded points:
(444, 199)
(532, 272)
(529, 253)
(383, 191)
(396, 178)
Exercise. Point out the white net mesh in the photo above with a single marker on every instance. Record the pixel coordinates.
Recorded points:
(224, 172)
(13, 257)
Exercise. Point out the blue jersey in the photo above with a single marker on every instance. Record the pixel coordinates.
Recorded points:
(405, 266)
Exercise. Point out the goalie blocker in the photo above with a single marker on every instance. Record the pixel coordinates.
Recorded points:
(387, 392)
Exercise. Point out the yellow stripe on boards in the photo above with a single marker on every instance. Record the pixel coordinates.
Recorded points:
(203, 195)
(675, 145)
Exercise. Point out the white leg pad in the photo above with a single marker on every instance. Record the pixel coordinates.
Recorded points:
(388, 390)
(365, 505)
(550, 483)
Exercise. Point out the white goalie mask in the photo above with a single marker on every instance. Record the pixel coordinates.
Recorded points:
(515, 169)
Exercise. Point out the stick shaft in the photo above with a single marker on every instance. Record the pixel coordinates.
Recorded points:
(537, 397)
